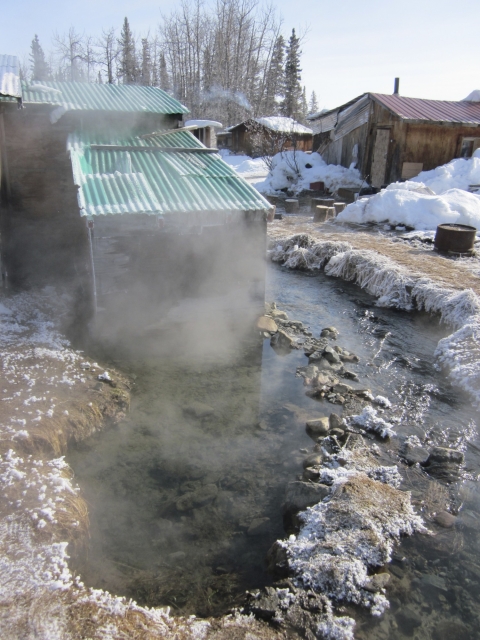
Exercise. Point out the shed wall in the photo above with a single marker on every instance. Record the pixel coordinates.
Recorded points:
(429, 144)
(44, 238)
(425, 143)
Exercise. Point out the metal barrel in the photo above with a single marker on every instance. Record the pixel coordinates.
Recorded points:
(455, 238)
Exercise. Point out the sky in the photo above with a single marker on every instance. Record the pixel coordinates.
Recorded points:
(350, 47)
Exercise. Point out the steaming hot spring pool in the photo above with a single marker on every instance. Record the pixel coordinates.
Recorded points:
(185, 496)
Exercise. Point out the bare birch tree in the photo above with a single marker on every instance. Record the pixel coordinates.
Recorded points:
(108, 51)
(70, 50)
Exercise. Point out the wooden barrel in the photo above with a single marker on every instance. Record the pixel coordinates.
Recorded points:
(291, 205)
(455, 238)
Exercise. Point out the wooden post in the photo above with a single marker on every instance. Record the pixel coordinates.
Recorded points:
(324, 202)
(291, 205)
(4, 160)
(321, 214)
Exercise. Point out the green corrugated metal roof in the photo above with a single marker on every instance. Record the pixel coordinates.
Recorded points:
(85, 96)
(156, 182)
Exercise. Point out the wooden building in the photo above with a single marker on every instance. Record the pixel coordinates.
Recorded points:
(104, 191)
(205, 131)
(390, 137)
(258, 137)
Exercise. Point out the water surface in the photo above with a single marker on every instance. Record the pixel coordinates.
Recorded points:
(175, 490)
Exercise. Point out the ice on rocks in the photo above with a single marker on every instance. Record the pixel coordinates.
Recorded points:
(395, 287)
(347, 535)
(370, 421)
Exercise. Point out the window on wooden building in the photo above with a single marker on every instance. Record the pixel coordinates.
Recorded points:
(469, 146)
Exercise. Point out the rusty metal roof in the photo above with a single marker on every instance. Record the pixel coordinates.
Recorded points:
(10, 76)
(418, 109)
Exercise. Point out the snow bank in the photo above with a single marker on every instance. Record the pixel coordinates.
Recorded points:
(411, 204)
(432, 198)
(295, 170)
(245, 166)
(457, 174)
(395, 287)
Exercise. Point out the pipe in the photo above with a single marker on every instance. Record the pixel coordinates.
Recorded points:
(92, 264)
(396, 88)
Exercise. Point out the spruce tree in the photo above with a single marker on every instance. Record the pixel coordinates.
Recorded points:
(274, 86)
(164, 77)
(313, 104)
(146, 74)
(128, 60)
(39, 65)
(304, 106)
(292, 103)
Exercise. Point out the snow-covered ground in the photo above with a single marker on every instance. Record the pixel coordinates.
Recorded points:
(432, 198)
(296, 170)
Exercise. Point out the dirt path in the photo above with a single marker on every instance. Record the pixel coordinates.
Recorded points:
(419, 259)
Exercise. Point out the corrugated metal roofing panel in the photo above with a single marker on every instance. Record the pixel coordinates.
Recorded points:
(353, 117)
(414, 109)
(117, 193)
(325, 123)
(10, 76)
(178, 182)
(85, 96)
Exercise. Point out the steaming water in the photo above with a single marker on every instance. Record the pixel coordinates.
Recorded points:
(173, 491)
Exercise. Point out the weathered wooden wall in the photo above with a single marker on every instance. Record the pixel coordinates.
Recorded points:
(429, 144)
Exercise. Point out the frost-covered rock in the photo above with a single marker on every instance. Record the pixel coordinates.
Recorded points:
(370, 421)
(343, 538)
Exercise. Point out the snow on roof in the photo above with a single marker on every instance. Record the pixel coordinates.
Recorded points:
(473, 97)
(204, 123)
(283, 125)
(10, 76)
(280, 124)
(312, 116)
